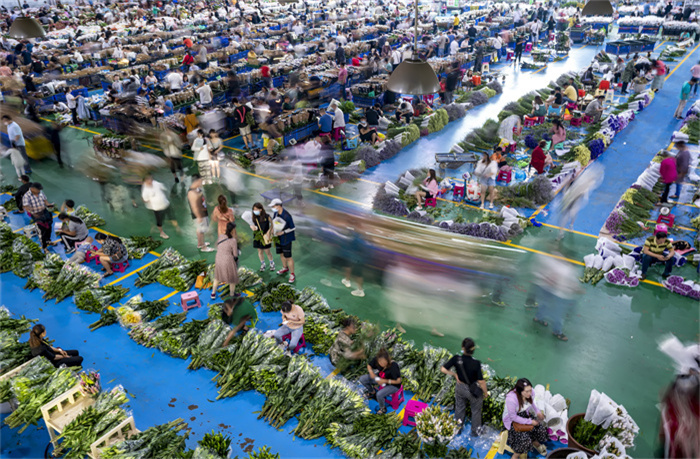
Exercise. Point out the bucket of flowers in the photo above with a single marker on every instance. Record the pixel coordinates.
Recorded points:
(436, 428)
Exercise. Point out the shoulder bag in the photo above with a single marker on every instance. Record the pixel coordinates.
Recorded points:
(474, 387)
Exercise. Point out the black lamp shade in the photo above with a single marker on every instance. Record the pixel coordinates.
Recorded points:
(597, 8)
(415, 77)
(24, 27)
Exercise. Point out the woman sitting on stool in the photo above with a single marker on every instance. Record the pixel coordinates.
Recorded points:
(385, 374)
(73, 231)
(55, 355)
(430, 187)
(112, 251)
(523, 420)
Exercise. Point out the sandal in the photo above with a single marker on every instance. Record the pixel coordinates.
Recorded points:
(542, 450)
(541, 322)
(107, 275)
(561, 336)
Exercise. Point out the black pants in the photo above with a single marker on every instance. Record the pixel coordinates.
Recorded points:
(44, 233)
(75, 360)
(624, 86)
(176, 165)
(74, 112)
(69, 241)
(518, 54)
(667, 189)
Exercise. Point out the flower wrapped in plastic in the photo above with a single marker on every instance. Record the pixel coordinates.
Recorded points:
(596, 148)
(128, 317)
(683, 287)
(436, 427)
(90, 382)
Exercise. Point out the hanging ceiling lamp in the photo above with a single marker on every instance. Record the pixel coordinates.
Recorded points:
(414, 76)
(597, 8)
(26, 27)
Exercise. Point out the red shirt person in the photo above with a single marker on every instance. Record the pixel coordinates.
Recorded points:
(538, 157)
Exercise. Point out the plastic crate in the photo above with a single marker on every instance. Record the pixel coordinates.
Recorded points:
(278, 81)
(160, 74)
(95, 115)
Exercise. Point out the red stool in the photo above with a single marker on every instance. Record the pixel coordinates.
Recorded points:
(504, 176)
(667, 220)
(458, 192)
(571, 106)
(396, 399)
(528, 47)
(120, 267)
(512, 147)
(529, 122)
(413, 407)
(509, 56)
(89, 255)
(581, 93)
(604, 85)
(430, 202)
(300, 344)
(540, 119)
(189, 300)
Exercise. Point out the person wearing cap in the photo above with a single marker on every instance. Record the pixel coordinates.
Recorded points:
(595, 108)
(286, 236)
(35, 204)
(658, 248)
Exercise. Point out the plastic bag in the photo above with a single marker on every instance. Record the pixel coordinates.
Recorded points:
(608, 264)
(247, 216)
(592, 404)
(588, 260)
(598, 262)
(604, 412)
(617, 261)
(577, 455)
(278, 224)
(628, 262)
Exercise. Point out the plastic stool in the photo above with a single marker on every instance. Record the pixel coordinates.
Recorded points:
(413, 407)
(458, 192)
(587, 119)
(509, 56)
(120, 267)
(502, 443)
(89, 254)
(3, 212)
(395, 399)
(300, 344)
(528, 47)
(529, 122)
(30, 231)
(187, 298)
(485, 68)
(540, 119)
(667, 220)
(430, 202)
(512, 147)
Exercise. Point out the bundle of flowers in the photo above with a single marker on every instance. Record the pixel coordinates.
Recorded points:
(45, 272)
(596, 148)
(128, 317)
(455, 111)
(436, 428)
(157, 441)
(209, 342)
(601, 136)
(555, 411)
(390, 148)
(529, 194)
(90, 382)
(622, 276)
(420, 217)
(333, 400)
(495, 86)
(93, 422)
(387, 204)
(582, 154)
(364, 437)
(23, 255)
(593, 269)
(369, 155)
(477, 98)
(319, 332)
(604, 420)
(691, 127)
(71, 279)
(182, 277)
(271, 301)
(95, 299)
(34, 386)
(138, 246)
(645, 21)
(483, 230)
(254, 349)
(530, 141)
(89, 218)
(293, 394)
(167, 260)
(678, 285)
(597, 19)
(488, 91)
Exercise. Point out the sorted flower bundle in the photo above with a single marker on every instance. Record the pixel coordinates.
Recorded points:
(404, 445)
(369, 155)
(93, 422)
(209, 342)
(90, 382)
(596, 148)
(477, 98)
(128, 317)
(72, 278)
(530, 141)
(528, 194)
(678, 285)
(496, 86)
(12, 353)
(182, 277)
(387, 204)
(89, 218)
(488, 91)
(45, 272)
(157, 441)
(107, 317)
(301, 383)
(138, 246)
(168, 259)
(622, 276)
(95, 299)
(333, 400)
(428, 375)
(272, 301)
(419, 217)
(455, 111)
(216, 443)
(364, 437)
(24, 254)
(254, 349)
(582, 154)
(601, 136)
(604, 419)
(390, 149)
(319, 333)
(26, 380)
(436, 428)
(32, 397)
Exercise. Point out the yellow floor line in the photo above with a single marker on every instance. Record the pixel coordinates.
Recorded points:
(333, 373)
(235, 149)
(681, 62)
(231, 138)
(657, 46)
(169, 295)
(132, 272)
(492, 452)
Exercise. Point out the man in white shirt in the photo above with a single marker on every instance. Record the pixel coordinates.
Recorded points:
(395, 57)
(454, 47)
(205, 94)
(174, 79)
(535, 30)
(338, 121)
(72, 103)
(14, 132)
(298, 29)
(341, 39)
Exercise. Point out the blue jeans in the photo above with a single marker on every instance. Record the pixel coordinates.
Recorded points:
(382, 394)
(648, 260)
(678, 189)
(294, 340)
(553, 308)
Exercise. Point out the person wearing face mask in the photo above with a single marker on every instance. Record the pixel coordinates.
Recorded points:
(367, 133)
(55, 355)
(523, 420)
(286, 237)
(262, 235)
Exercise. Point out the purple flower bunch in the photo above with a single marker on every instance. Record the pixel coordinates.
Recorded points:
(614, 222)
(530, 141)
(455, 111)
(496, 86)
(678, 285)
(597, 148)
(482, 230)
(369, 155)
(387, 204)
(478, 98)
(391, 148)
(619, 276)
(615, 123)
(418, 218)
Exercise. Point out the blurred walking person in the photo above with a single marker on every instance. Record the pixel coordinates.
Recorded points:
(226, 263)
(155, 199)
(14, 132)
